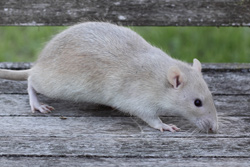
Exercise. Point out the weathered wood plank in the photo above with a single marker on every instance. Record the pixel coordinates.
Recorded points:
(114, 162)
(228, 83)
(18, 105)
(234, 105)
(15, 65)
(229, 67)
(13, 87)
(124, 146)
(129, 12)
(81, 127)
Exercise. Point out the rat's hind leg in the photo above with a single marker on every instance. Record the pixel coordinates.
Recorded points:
(34, 103)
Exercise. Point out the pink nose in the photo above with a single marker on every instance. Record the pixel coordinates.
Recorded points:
(212, 131)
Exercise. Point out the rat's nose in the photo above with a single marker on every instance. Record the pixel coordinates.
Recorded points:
(213, 130)
(210, 130)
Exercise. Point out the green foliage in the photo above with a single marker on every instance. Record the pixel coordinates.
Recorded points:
(208, 44)
(23, 44)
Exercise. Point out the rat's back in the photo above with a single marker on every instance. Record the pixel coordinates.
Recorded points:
(94, 38)
(91, 59)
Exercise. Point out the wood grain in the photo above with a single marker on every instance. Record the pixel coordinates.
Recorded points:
(129, 12)
(125, 146)
(124, 162)
(53, 126)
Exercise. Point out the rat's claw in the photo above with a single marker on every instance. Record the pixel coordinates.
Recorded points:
(47, 107)
(174, 127)
(171, 128)
(43, 108)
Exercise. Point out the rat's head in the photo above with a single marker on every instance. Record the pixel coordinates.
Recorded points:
(190, 92)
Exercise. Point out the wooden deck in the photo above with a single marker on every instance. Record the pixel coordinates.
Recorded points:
(92, 135)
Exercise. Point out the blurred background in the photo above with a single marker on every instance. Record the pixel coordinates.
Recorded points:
(208, 44)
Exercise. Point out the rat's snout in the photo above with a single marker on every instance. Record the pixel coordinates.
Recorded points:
(207, 126)
(213, 129)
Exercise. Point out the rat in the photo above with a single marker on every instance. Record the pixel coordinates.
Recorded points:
(103, 63)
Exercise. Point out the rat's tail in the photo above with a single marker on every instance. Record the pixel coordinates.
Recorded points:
(18, 75)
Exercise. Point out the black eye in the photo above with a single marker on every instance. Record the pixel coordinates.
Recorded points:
(197, 103)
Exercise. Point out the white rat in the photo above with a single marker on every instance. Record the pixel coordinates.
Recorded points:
(103, 63)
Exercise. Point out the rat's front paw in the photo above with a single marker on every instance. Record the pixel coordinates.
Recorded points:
(158, 124)
(170, 127)
(43, 108)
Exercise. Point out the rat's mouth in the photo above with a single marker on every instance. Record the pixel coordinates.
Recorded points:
(206, 125)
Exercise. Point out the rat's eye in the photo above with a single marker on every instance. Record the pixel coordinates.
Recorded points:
(197, 103)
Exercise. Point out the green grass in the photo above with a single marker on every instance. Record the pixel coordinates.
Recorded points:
(23, 44)
(208, 44)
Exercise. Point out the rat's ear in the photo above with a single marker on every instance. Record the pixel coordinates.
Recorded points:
(175, 77)
(197, 65)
